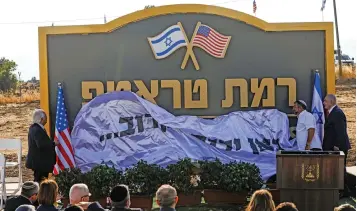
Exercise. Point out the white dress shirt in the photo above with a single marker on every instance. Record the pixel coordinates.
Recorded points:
(329, 111)
(306, 121)
(41, 126)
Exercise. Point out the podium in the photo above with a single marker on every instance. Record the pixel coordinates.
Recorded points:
(310, 179)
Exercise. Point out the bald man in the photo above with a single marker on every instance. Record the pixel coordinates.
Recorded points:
(79, 195)
(335, 137)
(166, 198)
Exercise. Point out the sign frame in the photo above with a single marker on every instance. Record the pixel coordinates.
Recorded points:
(43, 32)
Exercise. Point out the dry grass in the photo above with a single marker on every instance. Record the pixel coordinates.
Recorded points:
(347, 71)
(25, 98)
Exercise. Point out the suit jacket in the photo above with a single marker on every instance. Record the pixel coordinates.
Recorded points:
(14, 202)
(95, 206)
(41, 150)
(125, 209)
(336, 131)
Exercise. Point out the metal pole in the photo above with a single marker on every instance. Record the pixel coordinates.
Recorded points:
(20, 84)
(338, 39)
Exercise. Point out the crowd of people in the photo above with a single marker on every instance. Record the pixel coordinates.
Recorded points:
(44, 197)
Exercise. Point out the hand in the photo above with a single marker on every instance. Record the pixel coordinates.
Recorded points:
(336, 148)
(84, 204)
(307, 147)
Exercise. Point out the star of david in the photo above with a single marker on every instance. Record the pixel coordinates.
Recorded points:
(319, 115)
(168, 41)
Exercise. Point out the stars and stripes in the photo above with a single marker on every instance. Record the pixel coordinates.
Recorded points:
(323, 5)
(64, 151)
(211, 41)
(254, 7)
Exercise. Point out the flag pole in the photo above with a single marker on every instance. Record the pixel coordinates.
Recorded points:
(338, 39)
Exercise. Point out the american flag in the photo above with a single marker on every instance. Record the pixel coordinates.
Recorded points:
(254, 7)
(64, 151)
(323, 5)
(211, 41)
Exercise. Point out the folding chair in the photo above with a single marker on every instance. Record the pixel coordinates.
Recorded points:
(13, 144)
(2, 181)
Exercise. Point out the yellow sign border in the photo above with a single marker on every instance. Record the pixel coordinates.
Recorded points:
(327, 27)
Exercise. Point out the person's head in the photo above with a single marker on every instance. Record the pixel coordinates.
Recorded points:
(166, 196)
(74, 208)
(329, 101)
(26, 207)
(120, 196)
(299, 106)
(47, 194)
(30, 190)
(345, 207)
(261, 201)
(286, 206)
(78, 193)
(39, 117)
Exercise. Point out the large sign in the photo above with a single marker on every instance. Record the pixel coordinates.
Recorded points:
(194, 60)
(120, 128)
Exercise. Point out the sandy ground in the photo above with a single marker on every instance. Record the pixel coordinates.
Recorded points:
(16, 118)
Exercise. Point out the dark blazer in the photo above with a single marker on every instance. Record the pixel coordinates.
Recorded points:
(336, 131)
(95, 206)
(47, 208)
(125, 209)
(14, 202)
(41, 154)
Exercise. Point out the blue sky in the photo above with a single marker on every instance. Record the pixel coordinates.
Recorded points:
(19, 20)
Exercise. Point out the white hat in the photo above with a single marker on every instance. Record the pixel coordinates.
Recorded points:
(303, 103)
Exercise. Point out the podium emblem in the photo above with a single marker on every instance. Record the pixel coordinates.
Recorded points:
(310, 172)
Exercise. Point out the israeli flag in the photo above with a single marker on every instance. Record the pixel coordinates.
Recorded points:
(167, 41)
(317, 108)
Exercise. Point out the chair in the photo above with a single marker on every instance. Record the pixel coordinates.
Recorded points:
(13, 144)
(2, 180)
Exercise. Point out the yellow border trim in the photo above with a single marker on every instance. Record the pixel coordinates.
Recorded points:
(179, 9)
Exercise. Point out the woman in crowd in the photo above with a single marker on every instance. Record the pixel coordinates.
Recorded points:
(47, 196)
(261, 201)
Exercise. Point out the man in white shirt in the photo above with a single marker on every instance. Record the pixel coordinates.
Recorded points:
(306, 137)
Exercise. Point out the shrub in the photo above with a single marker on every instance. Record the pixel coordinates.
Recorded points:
(101, 179)
(181, 175)
(238, 177)
(68, 177)
(144, 178)
(211, 174)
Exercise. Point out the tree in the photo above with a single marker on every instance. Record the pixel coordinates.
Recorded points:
(8, 78)
(149, 6)
(33, 79)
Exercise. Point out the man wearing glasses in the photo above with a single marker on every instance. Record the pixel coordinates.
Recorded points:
(79, 195)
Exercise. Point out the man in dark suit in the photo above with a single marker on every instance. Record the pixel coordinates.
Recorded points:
(41, 155)
(335, 137)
